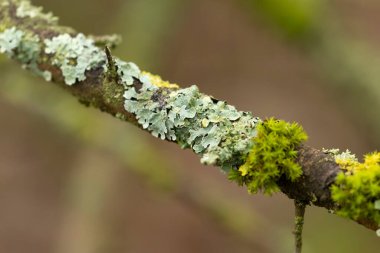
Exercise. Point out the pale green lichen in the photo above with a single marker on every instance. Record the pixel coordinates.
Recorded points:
(27, 46)
(127, 71)
(74, 56)
(215, 130)
(26, 9)
(211, 128)
(10, 39)
(356, 189)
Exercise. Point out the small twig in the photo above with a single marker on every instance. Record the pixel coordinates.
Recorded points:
(112, 68)
(299, 221)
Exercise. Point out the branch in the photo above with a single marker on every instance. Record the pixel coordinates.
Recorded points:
(263, 155)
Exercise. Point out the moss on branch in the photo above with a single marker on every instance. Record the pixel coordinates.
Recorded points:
(264, 156)
(357, 187)
(272, 156)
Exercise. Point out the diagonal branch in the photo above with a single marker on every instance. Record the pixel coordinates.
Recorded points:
(233, 140)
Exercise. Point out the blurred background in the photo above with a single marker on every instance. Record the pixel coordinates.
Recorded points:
(75, 180)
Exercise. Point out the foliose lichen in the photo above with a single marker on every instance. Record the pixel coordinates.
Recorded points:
(27, 46)
(217, 131)
(74, 56)
(356, 189)
(26, 9)
(271, 157)
(10, 39)
(127, 72)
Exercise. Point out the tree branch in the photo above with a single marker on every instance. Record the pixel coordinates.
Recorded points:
(216, 131)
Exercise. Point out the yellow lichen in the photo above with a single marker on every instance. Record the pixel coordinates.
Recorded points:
(158, 82)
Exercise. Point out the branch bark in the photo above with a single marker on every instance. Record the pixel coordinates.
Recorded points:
(41, 45)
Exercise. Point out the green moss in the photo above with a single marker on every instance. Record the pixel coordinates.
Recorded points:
(271, 157)
(357, 188)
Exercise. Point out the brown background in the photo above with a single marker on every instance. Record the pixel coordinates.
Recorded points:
(75, 180)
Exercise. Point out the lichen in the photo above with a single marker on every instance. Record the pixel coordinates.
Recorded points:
(271, 157)
(26, 9)
(345, 159)
(10, 39)
(216, 131)
(27, 46)
(157, 81)
(74, 56)
(127, 71)
(356, 189)
(211, 128)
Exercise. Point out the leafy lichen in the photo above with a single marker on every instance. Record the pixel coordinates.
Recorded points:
(271, 157)
(217, 131)
(127, 72)
(26, 10)
(74, 56)
(213, 129)
(357, 188)
(10, 39)
(27, 46)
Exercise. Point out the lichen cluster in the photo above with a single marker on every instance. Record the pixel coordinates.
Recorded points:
(74, 56)
(27, 47)
(357, 188)
(212, 128)
(254, 153)
(217, 131)
(10, 39)
(271, 157)
(26, 10)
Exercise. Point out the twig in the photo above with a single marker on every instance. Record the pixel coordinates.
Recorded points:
(299, 221)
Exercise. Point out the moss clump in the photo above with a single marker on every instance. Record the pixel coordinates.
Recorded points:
(272, 156)
(357, 189)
